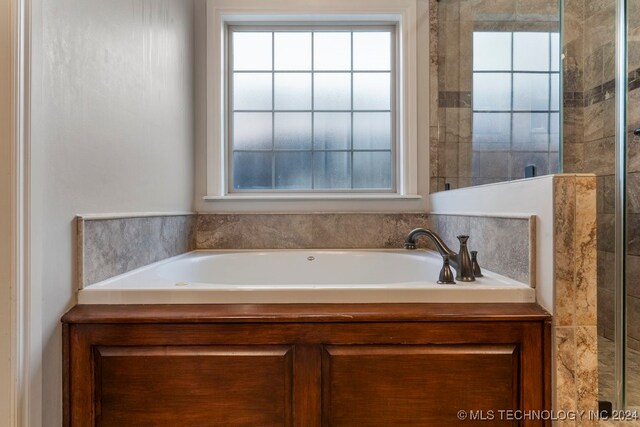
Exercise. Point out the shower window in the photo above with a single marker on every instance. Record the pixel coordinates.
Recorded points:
(516, 105)
(311, 108)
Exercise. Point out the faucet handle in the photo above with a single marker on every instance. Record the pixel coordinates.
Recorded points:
(464, 270)
(446, 275)
(477, 272)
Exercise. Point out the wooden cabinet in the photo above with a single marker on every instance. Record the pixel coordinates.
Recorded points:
(304, 365)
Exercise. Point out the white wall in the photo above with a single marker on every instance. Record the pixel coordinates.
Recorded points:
(522, 197)
(112, 131)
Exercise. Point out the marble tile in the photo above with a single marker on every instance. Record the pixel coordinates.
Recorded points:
(593, 7)
(565, 368)
(600, 159)
(633, 234)
(352, 231)
(593, 66)
(606, 358)
(608, 192)
(606, 312)
(633, 153)
(115, 246)
(609, 117)
(448, 228)
(598, 27)
(633, 192)
(573, 125)
(487, 10)
(587, 371)
(502, 245)
(593, 122)
(254, 231)
(358, 231)
(633, 276)
(573, 157)
(606, 270)
(585, 251)
(606, 232)
(537, 10)
(608, 62)
(448, 159)
(633, 317)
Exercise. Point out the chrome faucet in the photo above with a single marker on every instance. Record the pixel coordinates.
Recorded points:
(460, 261)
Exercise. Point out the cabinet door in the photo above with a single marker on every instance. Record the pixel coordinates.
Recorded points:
(193, 386)
(421, 385)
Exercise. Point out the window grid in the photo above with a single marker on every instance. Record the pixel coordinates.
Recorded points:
(512, 72)
(351, 111)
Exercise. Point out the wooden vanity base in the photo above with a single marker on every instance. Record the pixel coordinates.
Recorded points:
(305, 365)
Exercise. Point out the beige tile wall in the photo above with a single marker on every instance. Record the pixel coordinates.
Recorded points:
(574, 323)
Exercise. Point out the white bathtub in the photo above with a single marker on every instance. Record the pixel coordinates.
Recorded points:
(299, 276)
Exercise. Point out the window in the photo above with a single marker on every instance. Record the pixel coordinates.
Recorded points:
(311, 152)
(516, 90)
(311, 108)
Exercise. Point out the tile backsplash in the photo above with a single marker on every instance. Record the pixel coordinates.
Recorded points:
(112, 246)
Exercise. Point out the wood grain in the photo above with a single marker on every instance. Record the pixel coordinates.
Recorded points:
(306, 366)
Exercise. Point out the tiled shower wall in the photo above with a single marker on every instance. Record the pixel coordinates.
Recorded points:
(456, 159)
(589, 139)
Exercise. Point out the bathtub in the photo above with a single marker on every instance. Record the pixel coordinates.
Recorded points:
(300, 276)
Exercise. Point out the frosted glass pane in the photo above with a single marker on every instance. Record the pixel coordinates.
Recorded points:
(531, 51)
(252, 51)
(371, 131)
(292, 91)
(371, 91)
(372, 170)
(491, 51)
(555, 52)
(555, 92)
(554, 132)
(332, 51)
(252, 131)
(252, 171)
(331, 170)
(293, 170)
(292, 131)
(252, 91)
(530, 131)
(292, 51)
(491, 131)
(530, 91)
(332, 131)
(372, 51)
(491, 91)
(332, 91)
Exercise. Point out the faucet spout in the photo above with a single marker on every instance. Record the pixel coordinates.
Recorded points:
(461, 261)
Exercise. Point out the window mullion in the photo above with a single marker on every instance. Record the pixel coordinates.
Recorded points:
(313, 116)
(273, 109)
(351, 142)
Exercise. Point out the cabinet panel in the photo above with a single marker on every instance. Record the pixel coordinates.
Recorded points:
(417, 385)
(193, 385)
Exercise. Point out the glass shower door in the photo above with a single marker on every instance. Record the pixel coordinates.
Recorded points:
(632, 211)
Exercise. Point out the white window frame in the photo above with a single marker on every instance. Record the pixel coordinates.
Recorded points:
(402, 13)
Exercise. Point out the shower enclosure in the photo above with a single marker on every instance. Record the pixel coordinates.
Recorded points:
(601, 50)
(501, 68)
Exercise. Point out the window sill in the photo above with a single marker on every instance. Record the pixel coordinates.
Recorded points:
(311, 197)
